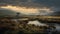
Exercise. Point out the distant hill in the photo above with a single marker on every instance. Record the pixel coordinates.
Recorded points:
(4, 12)
(56, 13)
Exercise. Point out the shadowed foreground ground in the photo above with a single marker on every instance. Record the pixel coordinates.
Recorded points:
(8, 26)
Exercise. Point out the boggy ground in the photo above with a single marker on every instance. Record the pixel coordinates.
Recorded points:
(8, 26)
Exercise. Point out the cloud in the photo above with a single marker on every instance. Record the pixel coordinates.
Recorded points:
(23, 3)
(33, 3)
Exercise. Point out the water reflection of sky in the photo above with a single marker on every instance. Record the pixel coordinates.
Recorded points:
(37, 23)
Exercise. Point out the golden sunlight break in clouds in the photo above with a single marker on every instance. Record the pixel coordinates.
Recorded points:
(26, 10)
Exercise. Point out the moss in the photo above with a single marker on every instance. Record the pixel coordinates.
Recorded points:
(17, 28)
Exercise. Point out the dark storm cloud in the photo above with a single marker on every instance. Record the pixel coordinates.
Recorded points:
(55, 3)
(32, 3)
(23, 3)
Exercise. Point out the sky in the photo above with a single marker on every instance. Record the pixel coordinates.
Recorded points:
(24, 10)
(41, 7)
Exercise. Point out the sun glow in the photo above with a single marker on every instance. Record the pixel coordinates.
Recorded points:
(26, 10)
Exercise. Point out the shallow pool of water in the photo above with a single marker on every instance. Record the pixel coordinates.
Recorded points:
(37, 23)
